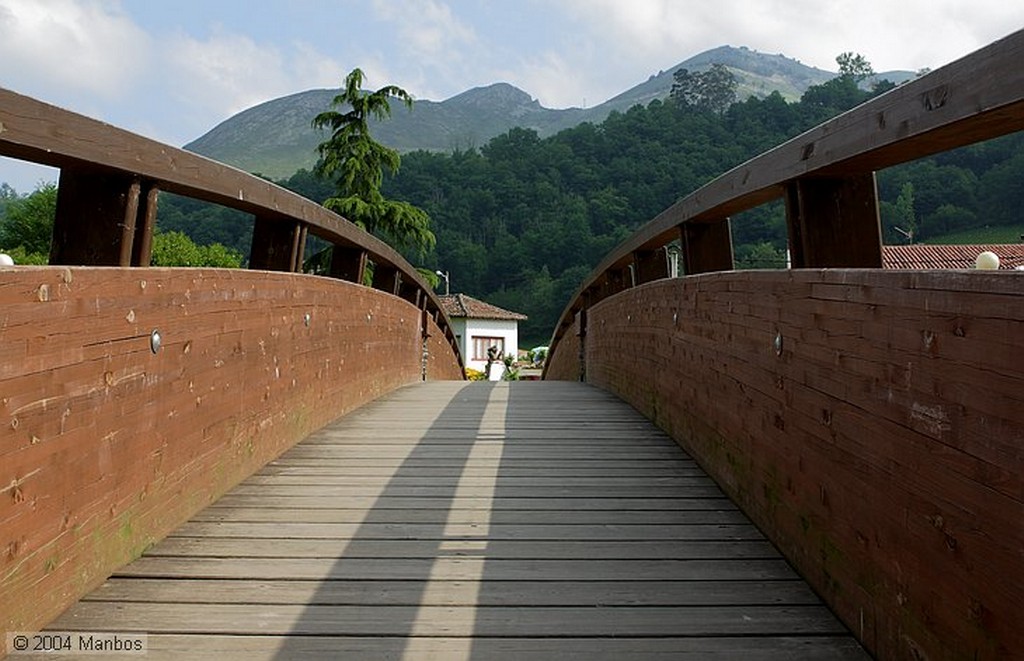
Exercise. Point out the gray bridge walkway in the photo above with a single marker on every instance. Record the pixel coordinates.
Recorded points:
(526, 520)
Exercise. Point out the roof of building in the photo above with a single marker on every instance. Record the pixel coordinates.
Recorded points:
(922, 256)
(461, 305)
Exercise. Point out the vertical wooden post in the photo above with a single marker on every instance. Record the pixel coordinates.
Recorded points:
(650, 265)
(274, 244)
(834, 222)
(706, 247)
(298, 247)
(95, 218)
(131, 213)
(142, 253)
(348, 263)
(581, 333)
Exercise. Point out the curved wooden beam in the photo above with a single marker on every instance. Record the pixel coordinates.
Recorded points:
(976, 98)
(35, 131)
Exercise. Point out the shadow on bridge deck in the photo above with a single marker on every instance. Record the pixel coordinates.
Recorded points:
(528, 520)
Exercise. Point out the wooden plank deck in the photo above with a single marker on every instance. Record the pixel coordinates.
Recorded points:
(527, 520)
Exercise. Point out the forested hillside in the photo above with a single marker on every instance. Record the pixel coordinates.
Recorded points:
(276, 138)
(522, 220)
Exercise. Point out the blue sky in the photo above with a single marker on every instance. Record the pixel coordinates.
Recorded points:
(173, 69)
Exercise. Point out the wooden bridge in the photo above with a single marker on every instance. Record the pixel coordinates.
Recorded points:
(824, 462)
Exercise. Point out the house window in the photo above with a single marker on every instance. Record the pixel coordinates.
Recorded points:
(482, 344)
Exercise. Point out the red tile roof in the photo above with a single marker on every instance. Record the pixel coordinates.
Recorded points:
(461, 305)
(923, 256)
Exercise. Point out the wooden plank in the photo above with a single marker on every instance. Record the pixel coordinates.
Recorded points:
(283, 547)
(455, 593)
(315, 620)
(456, 568)
(434, 491)
(497, 505)
(209, 647)
(496, 530)
(657, 471)
(513, 463)
(567, 517)
(373, 482)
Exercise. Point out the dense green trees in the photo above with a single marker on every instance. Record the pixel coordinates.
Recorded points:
(26, 227)
(176, 249)
(712, 90)
(28, 224)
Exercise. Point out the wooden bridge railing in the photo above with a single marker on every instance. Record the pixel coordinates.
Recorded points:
(826, 177)
(871, 422)
(107, 202)
(130, 398)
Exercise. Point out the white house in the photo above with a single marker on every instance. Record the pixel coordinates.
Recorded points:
(478, 326)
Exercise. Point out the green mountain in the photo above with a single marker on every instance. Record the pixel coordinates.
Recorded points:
(275, 138)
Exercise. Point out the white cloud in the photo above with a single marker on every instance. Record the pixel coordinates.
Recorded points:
(225, 72)
(426, 28)
(910, 35)
(437, 51)
(228, 72)
(60, 49)
(612, 45)
(554, 80)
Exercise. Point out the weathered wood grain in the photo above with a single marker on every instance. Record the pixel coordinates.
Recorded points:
(484, 559)
(410, 593)
(726, 648)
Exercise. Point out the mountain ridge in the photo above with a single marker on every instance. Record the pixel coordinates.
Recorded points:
(275, 138)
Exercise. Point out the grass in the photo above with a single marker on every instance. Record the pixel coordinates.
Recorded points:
(982, 235)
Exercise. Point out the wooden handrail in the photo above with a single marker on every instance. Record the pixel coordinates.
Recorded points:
(35, 131)
(978, 97)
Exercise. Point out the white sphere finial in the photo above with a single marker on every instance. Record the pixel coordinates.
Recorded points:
(987, 261)
(6, 260)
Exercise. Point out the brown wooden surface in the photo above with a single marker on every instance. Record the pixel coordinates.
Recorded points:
(649, 265)
(834, 222)
(879, 446)
(706, 247)
(274, 244)
(485, 521)
(106, 446)
(95, 218)
(99, 162)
